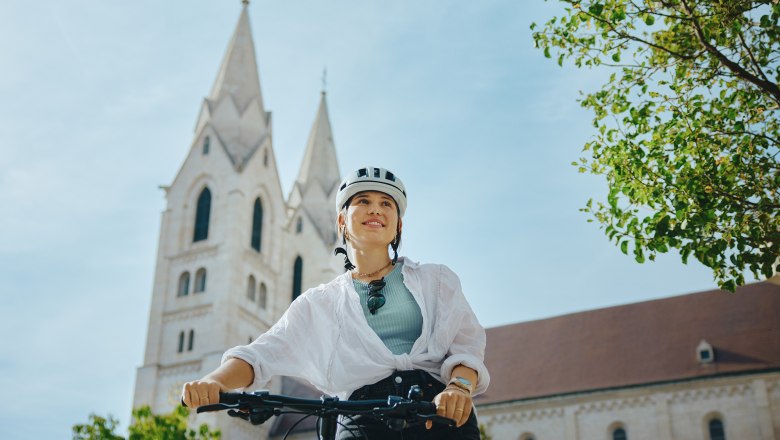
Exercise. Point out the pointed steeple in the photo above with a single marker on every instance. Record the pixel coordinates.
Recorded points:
(234, 109)
(314, 189)
(238, 75)
(320, 166)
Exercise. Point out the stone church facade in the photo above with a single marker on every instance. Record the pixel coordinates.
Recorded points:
(234, 251)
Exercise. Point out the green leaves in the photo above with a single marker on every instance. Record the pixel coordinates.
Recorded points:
(146, 426)
(596, 9)
(98, 428)
(687, 142)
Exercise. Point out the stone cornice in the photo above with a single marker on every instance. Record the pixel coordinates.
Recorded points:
(187, 313)
(179, 369)
(194, 254)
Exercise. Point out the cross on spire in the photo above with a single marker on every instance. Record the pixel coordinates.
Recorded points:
(324, 79)
(245, 2)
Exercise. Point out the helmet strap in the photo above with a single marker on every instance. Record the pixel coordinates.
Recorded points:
(347, 264)
(394, 244)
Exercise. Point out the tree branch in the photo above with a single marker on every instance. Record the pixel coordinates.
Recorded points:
(766, 86)
(628, 36)
(752, 58)
(759, 135)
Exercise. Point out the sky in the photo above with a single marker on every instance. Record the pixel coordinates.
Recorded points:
(99, 101)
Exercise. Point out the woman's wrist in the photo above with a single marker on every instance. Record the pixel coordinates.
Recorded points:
(452, 387)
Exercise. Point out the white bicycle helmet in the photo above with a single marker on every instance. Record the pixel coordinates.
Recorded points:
(372, 179)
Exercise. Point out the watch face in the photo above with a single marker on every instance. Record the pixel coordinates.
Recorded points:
(464, 381)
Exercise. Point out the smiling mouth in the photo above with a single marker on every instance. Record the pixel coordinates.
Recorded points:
(373, 223)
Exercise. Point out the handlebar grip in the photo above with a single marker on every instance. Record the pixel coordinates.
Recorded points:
(223, 398)
(229, 398)
(426, 408)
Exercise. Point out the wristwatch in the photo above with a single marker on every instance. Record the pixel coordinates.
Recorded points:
(462, 383)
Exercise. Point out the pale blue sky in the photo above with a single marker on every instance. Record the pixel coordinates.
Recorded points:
(99, 100)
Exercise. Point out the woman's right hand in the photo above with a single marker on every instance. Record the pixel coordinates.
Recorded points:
(201, 392)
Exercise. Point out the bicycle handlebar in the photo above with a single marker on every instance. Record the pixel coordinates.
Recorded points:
(259, 406)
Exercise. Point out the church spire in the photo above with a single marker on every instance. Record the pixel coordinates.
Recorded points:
(234, 110)
(238, 75)
(320, 166)
(314, 191)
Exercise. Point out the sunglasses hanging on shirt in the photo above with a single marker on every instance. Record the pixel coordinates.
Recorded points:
(375, 299)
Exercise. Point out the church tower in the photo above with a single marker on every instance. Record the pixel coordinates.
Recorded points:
(233, 253)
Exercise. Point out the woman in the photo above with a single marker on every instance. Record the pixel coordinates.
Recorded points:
(384, 325)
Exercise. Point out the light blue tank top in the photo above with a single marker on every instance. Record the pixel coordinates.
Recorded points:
(399, 322)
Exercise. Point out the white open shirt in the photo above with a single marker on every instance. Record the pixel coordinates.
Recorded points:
(324, 338)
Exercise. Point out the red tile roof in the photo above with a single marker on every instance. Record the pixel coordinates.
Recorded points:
(634, 344)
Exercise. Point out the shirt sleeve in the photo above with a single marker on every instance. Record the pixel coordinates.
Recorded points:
(288, 348)
(468, 345)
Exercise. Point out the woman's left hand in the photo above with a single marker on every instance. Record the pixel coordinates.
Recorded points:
(453, 403)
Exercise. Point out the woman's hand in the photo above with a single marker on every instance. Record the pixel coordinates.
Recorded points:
(453, 403)
(201, 392)
(234, 373)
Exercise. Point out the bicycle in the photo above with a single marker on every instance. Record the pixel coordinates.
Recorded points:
(397, 412)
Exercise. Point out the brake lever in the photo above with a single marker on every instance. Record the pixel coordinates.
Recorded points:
(217, 407)
(438, 419)
(240, 414)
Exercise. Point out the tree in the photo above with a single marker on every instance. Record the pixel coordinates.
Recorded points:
(98, 428)
(483, 435)
(687, 132)
(173, 426)
(145, 426)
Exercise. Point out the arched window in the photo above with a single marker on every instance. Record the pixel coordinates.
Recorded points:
(257, 226)
(192, 340)
(265, 157)
(200, 280)
(181, 342)
(299, 225)
(263, 296)
(250, 288)
(716, 430)
(202, 216)
(206, 144)
(527, 436)
(297, 278)
(184, 285)
(619, 434)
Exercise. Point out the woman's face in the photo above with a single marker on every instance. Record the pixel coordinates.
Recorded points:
(371, 219)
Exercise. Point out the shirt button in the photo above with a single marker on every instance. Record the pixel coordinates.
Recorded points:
(398, 379)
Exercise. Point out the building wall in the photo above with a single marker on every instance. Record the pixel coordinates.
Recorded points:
(748, 405)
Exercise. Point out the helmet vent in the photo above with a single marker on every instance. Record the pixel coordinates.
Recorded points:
(377, 172)
(389, 176)
(362, 172)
